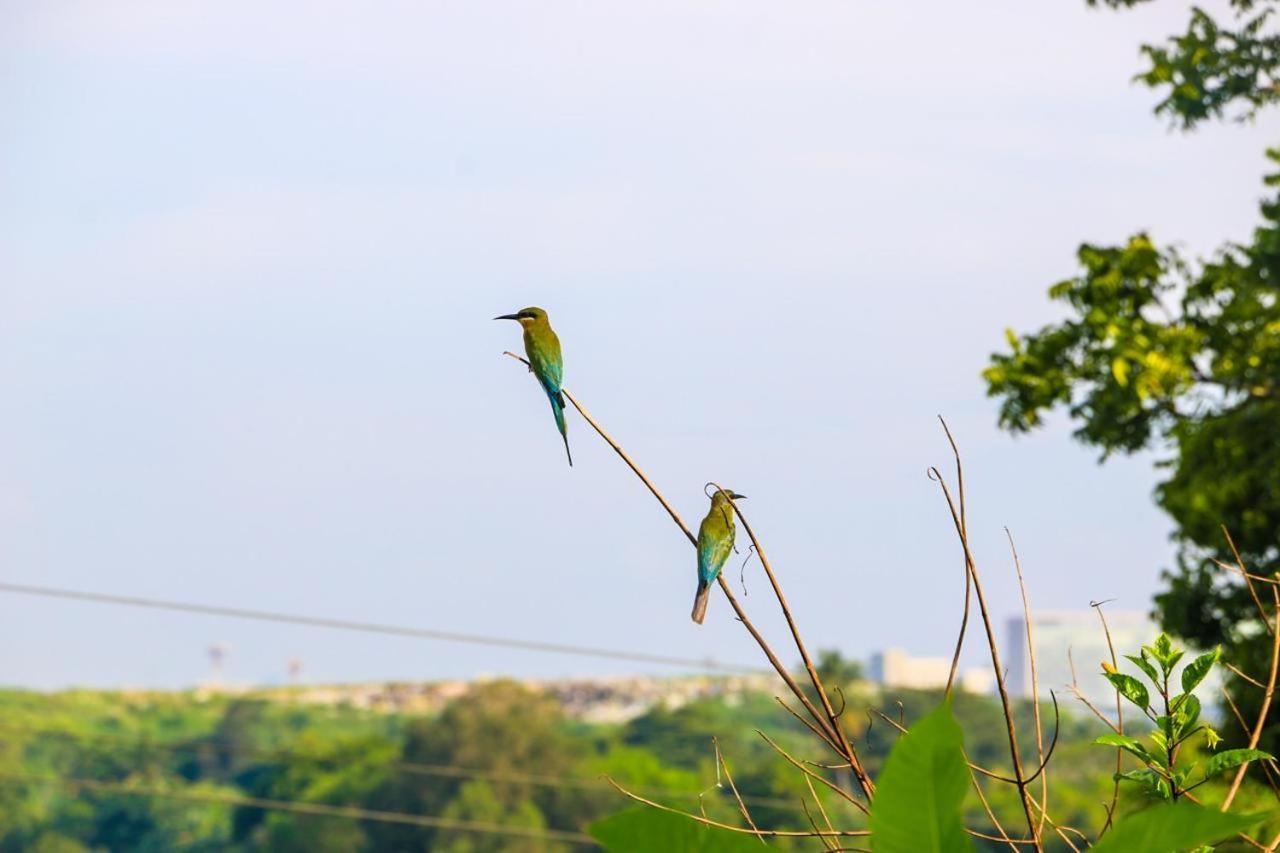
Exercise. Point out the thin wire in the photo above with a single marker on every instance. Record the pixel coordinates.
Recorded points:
(445, 770)
(322, 809)
(372, 628)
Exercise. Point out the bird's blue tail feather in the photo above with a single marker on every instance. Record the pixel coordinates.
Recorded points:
(557, 409)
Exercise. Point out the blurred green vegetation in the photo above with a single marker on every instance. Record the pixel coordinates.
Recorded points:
(502, 754)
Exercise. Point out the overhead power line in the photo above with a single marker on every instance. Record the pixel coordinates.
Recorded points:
(375, 628)
(320, 809)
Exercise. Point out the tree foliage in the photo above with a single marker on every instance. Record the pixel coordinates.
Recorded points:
(1158, 352)
(1214, 70)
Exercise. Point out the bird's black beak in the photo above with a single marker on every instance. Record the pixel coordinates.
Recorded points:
(737, 497)
(507, 317)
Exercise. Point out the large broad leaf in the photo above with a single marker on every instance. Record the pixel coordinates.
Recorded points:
(1171, 827)
(1229, 758)
(1194, 672)
(642, 830)
(921, 790)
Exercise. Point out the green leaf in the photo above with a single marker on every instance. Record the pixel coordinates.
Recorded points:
(1148, 779)
(1145, 665)
(920, 792)
(1229, 758)
(1129, 687)
(649, 829)
(1187, 711)
(1195, 671)
(1173, 826)
(1128, 744)
(1164, 652)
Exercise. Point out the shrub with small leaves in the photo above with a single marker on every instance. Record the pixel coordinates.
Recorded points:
(1176, 715)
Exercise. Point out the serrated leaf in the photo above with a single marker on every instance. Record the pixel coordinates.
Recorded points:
(1129, 687)
(1145, 665)
(1195, 671)
(1229, 758)
(1162, 650)
(921, 791)
(1172, 826)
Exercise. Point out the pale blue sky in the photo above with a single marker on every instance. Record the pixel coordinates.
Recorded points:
(249, 253)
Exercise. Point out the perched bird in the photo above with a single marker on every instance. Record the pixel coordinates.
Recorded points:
(543, 348)
(715, 541)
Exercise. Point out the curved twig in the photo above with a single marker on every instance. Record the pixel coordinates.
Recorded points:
(742, 807)
(1044, 762)
(968, 581)
(810, 726)
(826, 842)
(1006, 704)
(832, 719)
(1035, 687)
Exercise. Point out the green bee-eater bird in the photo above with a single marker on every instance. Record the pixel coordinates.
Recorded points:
(543, 348)
(715, 542)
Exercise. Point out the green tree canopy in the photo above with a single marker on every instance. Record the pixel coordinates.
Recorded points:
(1159, 352)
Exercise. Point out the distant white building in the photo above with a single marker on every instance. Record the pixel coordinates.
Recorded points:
(1063, 637)
(896, 668)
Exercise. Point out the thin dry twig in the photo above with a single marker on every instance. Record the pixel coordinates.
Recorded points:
(1119, 726)
(986, 807)
(1060, 829)
(1074, 687)
(821, 810)
(1239, 673)
(1005, 702)
(968, 581)
(1046, 756)
(1235, 570)
(734, 788)
(761, 833)
(818, 732)
(832, 718)
(1035, 688)
(1266, 707)
(1267, 763)
(1253, 593)
(799, 765)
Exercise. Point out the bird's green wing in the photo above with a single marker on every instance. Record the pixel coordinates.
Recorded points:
(715, 543)
(543, 348)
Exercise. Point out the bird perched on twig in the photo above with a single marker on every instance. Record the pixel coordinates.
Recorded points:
(543, 348)
(715, 542)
